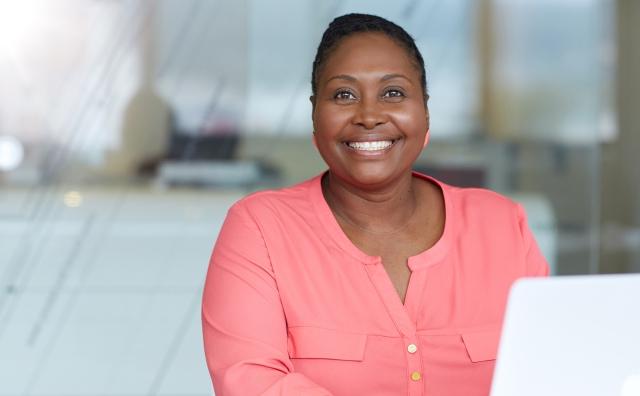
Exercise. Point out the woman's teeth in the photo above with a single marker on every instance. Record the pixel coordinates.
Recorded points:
(370, 146)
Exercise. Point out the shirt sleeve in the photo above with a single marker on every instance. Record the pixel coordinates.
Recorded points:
(244, 328)
(536, 264)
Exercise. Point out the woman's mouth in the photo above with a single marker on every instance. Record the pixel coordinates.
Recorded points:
(377, 145)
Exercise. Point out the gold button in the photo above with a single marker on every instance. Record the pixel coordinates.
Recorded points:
(412, 348)
(416, 376)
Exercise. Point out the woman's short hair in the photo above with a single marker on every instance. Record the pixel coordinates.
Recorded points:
(349, 24)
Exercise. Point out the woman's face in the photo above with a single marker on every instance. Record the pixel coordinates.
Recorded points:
(369, 114)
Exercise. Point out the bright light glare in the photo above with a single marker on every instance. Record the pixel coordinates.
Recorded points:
(631, 386)
(73, 199)
(11, 153)
(18, 19)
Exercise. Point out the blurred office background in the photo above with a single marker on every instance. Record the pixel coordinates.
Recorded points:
(127, 128)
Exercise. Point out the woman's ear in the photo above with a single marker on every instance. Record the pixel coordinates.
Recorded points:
(312, 99)
(426, 138)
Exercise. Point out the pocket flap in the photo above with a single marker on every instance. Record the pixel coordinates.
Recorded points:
(316, 342)
(482, 345)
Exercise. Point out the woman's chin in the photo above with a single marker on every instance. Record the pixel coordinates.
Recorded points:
(369, 177)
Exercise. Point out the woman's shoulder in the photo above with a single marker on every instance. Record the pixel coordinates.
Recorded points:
(474, 196)
(483, 197)
(279, 200)
(478, 201)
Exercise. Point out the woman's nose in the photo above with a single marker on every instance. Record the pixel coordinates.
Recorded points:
(369, 114)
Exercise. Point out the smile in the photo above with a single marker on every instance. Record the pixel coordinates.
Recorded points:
(371, 146)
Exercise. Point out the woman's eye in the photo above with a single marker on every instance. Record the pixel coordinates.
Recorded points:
(344, 96)
(393, 93)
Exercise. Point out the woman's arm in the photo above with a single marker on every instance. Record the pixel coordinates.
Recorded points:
(244, 328)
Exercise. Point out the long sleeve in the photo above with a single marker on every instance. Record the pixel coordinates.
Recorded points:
(244, 328)
(536, 263)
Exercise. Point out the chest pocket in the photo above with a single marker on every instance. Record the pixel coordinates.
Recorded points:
(320, 343)
(482, 345)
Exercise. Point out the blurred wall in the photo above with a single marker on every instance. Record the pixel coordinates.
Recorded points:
(620, 159)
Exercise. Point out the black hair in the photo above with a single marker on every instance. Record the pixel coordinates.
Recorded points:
(349, 24)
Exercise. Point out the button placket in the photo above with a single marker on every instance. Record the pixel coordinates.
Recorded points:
(414, 366)
(403, 317)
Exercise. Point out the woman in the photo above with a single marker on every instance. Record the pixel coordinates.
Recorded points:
(369, 279)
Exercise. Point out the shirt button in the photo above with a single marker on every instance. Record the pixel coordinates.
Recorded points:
(416, 376)
(412, 348)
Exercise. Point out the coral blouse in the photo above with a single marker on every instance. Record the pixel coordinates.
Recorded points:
(292, 307)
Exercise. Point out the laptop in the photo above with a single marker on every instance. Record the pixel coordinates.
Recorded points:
(572, 335)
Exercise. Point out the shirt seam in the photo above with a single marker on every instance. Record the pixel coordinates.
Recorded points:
(273, 269)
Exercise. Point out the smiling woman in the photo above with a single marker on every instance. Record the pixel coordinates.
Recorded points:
(369, 111)
(369, 279)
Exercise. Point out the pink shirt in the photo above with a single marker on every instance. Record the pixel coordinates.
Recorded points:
(292, 307)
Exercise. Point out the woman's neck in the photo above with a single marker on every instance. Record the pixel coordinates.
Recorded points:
(383, 211)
